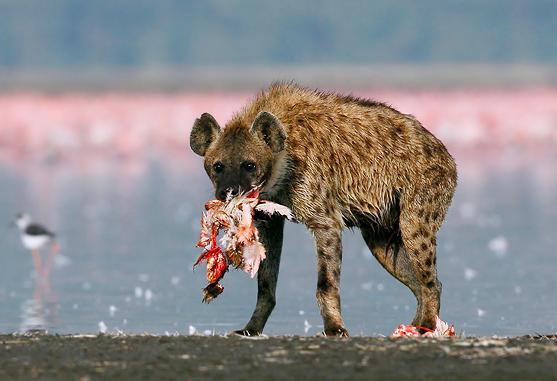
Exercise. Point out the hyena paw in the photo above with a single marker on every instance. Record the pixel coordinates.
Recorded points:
(246, 332)
(336, 332)
(427, 323)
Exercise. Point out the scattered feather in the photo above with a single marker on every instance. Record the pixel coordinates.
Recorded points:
(442, 329)
(499, 245)
(112, 310)
(307, 326)
(469, 273)
(148, 295)
(102, 327)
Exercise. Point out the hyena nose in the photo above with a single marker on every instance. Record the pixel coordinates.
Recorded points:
(225, 192)
(222, 195)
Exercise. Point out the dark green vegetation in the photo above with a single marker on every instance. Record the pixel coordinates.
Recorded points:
(38, 34)
(195, 357)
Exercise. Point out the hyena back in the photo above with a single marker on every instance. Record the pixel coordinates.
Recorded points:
(336, 161)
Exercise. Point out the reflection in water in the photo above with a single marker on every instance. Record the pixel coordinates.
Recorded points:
(39, 313)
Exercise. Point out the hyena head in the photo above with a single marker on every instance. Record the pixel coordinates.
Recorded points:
(239, 157)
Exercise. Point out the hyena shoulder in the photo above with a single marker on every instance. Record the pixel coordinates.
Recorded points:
(345, 144)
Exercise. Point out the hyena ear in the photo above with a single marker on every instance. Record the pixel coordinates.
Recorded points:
(268, 128)
(205, 130)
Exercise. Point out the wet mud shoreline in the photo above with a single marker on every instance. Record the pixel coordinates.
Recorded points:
(135, 357)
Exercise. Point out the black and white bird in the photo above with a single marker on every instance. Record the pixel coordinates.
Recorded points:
(33, 236)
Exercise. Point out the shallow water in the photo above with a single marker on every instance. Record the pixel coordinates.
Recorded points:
(127, 231)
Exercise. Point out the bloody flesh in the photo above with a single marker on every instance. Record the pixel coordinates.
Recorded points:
(240, 244)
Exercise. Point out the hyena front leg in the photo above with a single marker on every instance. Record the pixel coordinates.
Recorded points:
(328, 242)
(270, 235)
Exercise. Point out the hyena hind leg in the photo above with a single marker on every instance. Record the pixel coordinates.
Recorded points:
(391, 254)
(419, 230)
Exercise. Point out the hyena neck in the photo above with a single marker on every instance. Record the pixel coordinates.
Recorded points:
(275, 188)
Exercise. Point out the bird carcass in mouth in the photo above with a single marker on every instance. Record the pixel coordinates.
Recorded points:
(239, 246)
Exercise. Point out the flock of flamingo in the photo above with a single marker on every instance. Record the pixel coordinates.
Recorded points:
(130, 124)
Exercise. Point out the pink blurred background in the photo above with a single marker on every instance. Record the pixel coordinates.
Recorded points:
(126, 125)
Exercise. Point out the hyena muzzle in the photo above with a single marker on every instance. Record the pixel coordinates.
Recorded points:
(336, 161)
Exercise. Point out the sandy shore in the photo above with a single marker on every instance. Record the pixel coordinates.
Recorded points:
(276, 358)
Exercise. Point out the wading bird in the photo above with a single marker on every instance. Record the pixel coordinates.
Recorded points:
(35, 237)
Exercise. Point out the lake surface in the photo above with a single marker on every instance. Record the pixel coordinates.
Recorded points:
(127, 230)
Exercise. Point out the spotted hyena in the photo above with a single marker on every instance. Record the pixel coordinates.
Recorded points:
(337, 161)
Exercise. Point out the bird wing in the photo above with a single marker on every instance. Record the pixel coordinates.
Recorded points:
(36, 229)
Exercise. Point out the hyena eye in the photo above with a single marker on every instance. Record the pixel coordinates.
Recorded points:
(218, 167)
(249, 166)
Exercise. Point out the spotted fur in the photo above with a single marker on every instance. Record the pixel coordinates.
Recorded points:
(339, 161)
